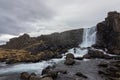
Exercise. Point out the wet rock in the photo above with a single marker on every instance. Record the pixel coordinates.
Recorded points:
(80, 75)
(87, 56)
(117, 65)
(34, 78)
(58, 56)
(69, 56)
(62, 71)
(24, 76)
(69, 61)
(112, 69)
(79, 58)
(33, 74)
(46, 70)
(52, 74)
(116, 57)
(113, 78)
(49, 72)
(47, 78)
(108, 33)
(117, 74)
(96, 54)
(103, 64)
(103, 72)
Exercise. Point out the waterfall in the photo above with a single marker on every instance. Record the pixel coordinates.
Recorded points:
(89, 37)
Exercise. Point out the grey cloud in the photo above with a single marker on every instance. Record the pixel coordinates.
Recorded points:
(63, 14)
(15, 13)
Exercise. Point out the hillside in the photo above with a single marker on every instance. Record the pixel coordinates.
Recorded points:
(41, 47)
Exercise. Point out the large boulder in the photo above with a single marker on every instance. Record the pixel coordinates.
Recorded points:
(49, 72)
(108, 33)
(69, 56)
(24, 76)
(52, 74)
(80, 75)
(69, 61)
(96, 54)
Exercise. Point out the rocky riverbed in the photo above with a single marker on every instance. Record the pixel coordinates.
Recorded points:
(87, 69)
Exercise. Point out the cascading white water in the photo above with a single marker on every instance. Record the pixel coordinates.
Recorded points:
(89, 37)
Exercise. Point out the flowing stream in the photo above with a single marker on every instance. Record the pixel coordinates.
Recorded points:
(89, 38)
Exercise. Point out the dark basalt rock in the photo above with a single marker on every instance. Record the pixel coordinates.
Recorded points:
(111, 72)
(80, 75)
(108, 33)
(79, 58)
(46, 78)
(44, 47)
(69, 61)
(62, 71)
(70, 56)
(34, 78)
(46, 70)
(52, 74)
(49, 72)
(24, 76)
(96, 54)
(103, 64)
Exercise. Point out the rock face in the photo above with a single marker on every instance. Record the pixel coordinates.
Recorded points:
(111, 71)
(40, 48)
(94, 54)
(69, 59)
(69, 38)
(108, 33)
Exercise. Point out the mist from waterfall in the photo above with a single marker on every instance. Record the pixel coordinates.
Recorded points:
(89, 37)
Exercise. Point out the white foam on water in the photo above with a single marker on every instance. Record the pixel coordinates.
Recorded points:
(79, 52)
(25, 67)
(29, 67)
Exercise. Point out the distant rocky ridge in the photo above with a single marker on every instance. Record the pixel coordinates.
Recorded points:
(67, 39)
(108, 33)
(40, 48)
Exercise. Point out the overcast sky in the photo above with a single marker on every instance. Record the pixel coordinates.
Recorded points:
(38, 17)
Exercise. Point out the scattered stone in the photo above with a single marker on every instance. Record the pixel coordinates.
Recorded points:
(117, 74)
(112, 69)
(79, 58)
(80, 75)
(96, 54)
(70, 56)
(52, 74)
(69, 61)
(33, 74)
(103, 64)
(24, 76)
(34, 78)
(117, 65)
(102, 72)
(58, 56)
(62, 71)
(46, 70)
(47, 78)
(87, 56)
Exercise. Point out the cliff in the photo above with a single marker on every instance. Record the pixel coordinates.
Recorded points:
(108, 33)
(39, 48)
